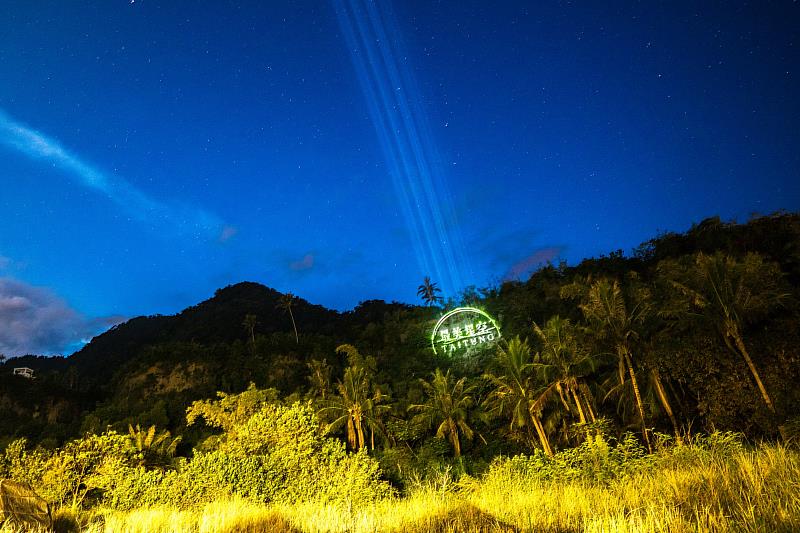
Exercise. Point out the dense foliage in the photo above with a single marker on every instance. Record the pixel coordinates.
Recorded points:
(268, 398)
(267, 452)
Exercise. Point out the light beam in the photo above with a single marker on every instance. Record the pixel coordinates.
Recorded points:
(393, 100)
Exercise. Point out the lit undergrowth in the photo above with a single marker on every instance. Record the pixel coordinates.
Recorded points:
(679, 489)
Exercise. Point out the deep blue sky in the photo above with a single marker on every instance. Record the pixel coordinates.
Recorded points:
(151, 152)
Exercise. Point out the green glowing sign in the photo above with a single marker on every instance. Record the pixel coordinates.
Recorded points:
(463, 330)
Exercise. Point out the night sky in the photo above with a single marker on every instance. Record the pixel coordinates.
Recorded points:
(152, 152)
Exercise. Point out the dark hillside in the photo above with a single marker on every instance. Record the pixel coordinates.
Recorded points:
(218, 319)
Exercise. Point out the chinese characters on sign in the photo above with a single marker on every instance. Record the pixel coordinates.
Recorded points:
(462, 330)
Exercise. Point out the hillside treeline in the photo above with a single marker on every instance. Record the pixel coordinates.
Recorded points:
(691, 333)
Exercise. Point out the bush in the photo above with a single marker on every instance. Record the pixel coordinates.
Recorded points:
(593, 460)
(276, 455)
(70, 474)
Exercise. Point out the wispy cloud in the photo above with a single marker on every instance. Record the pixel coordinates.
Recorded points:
(228, 232)
(527, 265)
(35, 320)
(306, 263)
(184, 219)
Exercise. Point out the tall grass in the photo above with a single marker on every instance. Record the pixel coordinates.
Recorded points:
(751, 490)
(689, 488)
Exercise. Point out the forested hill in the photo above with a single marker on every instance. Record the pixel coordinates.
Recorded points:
(216, 320)
(149, 369)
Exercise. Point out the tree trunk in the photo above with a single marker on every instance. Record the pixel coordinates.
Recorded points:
(743, 350)
(296, 337)
(581, 416)
(352, 439)
(639, 404)
(662, 395)
(560, 390)
(454, 438)
(676, 396)
(542, 435)
(588, 403)
(360, 430)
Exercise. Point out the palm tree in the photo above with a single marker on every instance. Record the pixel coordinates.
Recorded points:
(350, 407)
(729, 294)
(515, 392)
(355, 358)
(610, 316)
(319, 378)
(428, 292)
(249, 324)
(359, 402)
(155, 448)
(562, 367)
(285, 302)
(448, 404)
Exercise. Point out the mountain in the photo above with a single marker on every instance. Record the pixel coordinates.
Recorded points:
(216, 320)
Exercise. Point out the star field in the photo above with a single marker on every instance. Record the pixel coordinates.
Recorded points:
(152, 152)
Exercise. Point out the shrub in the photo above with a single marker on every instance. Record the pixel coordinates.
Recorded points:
(70, 474)
(276, 455)
(593, 460)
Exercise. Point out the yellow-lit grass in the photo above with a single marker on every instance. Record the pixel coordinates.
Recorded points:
(751, 490)
(231, 515)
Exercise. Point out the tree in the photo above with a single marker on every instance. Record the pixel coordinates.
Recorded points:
(154, 448)
(319, 378)
(286, 302)
(230, 411)
(249, 324)
(355, 407)
(428, 291)
(610, 316)
(358, 403)
(80, 467)
(448, 404)
(729, 294)
(514, 392)
(563, 365)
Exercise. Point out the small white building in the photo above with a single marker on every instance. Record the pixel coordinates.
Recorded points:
(24, 371)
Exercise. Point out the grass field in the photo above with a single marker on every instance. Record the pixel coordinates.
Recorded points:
(752, 489)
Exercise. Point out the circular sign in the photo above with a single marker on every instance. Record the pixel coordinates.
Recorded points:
(462, 330)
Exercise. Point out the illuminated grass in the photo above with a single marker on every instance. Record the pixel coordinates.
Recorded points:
(746, 490)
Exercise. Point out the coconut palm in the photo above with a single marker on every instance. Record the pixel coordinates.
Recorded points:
(563, 367)
(249, 324)
(729, 294)
(428, 291)
(515, 392)
(155, 448)
(350, 406)
(447, 406)
(611, 317)
(359, 403)
(319, 378)
(285, 302)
